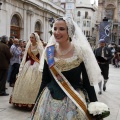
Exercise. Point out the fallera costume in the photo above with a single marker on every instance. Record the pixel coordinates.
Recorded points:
(29, 78)
(54, 101)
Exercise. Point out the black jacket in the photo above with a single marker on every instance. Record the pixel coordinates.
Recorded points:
(5, 56)
(73, 76)
(107, 53)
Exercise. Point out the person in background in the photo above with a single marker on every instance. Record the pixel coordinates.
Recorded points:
(66, 57)
(113, 53)
(116, 59)
(15, 61)
(29, 78)
(23, 50)
(5, 56)
(21, 44)
(103, 55)
(24, 44)
(10, 43)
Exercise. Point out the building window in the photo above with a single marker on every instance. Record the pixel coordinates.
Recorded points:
(88, 23)
(15, 21)
(87, 33)
(63, 5)
(78, 13)
(78, 22)
(15, 26)
(84, 23)
(84, 32)
(38, 27)
(86, 15)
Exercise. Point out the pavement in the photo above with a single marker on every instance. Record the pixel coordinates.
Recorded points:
(111, 97)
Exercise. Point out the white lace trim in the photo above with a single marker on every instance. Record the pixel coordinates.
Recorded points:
(68, 63)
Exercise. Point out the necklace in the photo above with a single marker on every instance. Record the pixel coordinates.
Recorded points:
(63, 53)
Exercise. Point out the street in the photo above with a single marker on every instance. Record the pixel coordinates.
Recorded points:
(111, 97)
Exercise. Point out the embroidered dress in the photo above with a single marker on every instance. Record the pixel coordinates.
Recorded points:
(53, 103)
(27, 84)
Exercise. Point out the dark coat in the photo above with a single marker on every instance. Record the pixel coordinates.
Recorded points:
(107, 53)
(5, 56)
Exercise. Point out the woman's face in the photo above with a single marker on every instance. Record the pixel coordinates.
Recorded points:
(60, 31)
(102, 44)
(32, 38)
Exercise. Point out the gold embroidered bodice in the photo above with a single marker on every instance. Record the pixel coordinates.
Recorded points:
(68, 63)
(35, 51)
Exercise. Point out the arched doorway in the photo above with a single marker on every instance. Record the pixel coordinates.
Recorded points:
(15, 26)
(38, 28)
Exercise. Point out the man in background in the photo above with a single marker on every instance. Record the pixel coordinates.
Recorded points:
(103, 55)
(15, 61)
(5, 56)
(10, 43)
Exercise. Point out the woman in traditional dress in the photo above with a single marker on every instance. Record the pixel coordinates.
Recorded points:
(69, 73)
(28, 82)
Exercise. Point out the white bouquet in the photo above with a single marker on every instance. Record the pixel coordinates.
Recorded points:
(98, 110)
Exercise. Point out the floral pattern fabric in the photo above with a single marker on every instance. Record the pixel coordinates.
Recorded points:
(51, 109)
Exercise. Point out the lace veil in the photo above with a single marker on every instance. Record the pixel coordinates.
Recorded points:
(39, 47)
(84, 50)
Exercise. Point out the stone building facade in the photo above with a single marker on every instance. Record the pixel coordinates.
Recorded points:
(111, 10)
(86, 16)
(19, 18)
(84, 13)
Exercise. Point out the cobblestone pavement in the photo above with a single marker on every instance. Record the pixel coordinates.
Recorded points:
(111, 97)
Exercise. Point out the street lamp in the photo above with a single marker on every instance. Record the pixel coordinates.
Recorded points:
(51, 20)
(0, 5)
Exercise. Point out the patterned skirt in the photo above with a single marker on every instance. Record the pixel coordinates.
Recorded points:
(47, 108)
(27, 86)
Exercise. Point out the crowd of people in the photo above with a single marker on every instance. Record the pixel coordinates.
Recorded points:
(115, 49)
(54, 79)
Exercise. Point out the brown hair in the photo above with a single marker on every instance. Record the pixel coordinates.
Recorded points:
(61, 19)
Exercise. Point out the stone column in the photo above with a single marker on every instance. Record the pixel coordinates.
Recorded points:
(45, 26)
(25, 26)
(29, 23)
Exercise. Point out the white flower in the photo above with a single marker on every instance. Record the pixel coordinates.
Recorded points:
(97, 108)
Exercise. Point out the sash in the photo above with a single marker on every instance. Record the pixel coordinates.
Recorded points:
(33, 56)
(65, 85)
